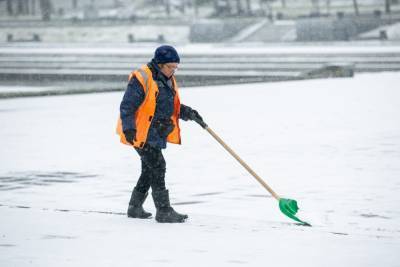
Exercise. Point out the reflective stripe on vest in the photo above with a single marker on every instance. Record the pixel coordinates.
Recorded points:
(145, 113)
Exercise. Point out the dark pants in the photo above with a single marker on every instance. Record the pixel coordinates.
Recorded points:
(153, 169)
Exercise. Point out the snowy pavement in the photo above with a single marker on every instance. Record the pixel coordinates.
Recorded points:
(333, 145)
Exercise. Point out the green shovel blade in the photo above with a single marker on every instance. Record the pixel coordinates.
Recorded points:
(289, 208)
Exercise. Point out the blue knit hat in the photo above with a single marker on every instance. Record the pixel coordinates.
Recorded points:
(166, 54)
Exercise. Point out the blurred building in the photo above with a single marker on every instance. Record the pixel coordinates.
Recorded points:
(187, 9)
(196, 20)
(60, 9)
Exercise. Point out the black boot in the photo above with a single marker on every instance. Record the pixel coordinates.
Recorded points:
(165, 213)
(135, 209)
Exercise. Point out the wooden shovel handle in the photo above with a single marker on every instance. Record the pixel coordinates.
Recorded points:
(247, 167)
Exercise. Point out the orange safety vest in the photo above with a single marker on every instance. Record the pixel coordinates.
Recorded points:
(145, 113)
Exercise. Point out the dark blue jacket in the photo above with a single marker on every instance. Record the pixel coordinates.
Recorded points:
(134, 97)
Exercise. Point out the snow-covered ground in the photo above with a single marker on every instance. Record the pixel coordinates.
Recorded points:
(147, 49)
(333, 145)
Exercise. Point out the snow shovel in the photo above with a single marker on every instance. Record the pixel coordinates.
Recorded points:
(287, 206)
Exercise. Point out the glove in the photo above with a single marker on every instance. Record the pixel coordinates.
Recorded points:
(190, 114)
(195, 116)
(130, 135)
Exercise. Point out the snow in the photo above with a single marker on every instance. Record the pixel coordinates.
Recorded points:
(25, 88)
(146, 49)
(333, 145)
